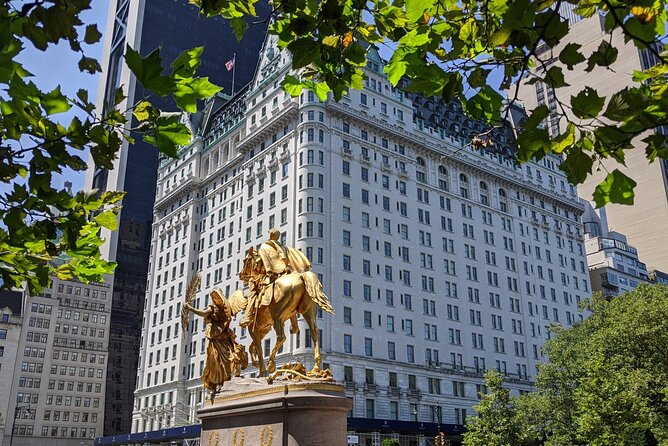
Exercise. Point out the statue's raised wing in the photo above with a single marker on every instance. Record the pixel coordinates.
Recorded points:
(237, 301)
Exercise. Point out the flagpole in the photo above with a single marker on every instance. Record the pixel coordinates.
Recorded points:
(234, 68)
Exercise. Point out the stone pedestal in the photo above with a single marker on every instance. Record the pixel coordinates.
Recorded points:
(250, 412)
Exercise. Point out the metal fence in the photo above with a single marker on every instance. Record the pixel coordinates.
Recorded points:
(376, 438)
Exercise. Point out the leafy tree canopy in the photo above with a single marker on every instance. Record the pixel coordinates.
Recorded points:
(449, 48)
(41, 223)
(500, 420)
(606, 383)
(443, 48)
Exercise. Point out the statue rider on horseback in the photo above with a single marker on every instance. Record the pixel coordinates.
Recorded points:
(274, 261)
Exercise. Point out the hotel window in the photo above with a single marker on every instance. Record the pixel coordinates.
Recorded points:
(463, 186)
(484, 197)
(368, 346)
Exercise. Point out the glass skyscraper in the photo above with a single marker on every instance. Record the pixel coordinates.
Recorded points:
(174, 26)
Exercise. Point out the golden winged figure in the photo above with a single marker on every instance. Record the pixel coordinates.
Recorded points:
(225, 357)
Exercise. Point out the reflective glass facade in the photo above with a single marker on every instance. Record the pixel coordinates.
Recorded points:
(174, 26)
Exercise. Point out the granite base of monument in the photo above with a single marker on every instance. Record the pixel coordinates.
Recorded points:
(250, 412)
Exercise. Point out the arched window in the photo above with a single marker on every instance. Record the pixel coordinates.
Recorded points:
(463, 185)
(442, 178)
(484, 193)
(421, 174)
(503, 200)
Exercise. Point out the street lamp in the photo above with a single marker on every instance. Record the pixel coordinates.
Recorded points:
(17, 410)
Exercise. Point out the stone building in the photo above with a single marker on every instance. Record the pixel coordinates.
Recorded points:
(60, 367)
(441, 261)
(614, 266)
(11, 320)
(645, 224)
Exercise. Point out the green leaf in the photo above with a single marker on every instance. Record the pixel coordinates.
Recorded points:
(652, 72)
(500, 36)
(587, 104)
(615, 188)
(168, 135)
(555, 77)
(478, 77)
(321, 89)
(612, 142)
(119, 96)
(239, 27)
(396, 68)
(625, 104)
(187, 92)
(415, 9)
(604, 56)
(555, 27)
(185, 65)
(37, 246)
(641, 33)
(107, 219)
(112, 197)
(331, 41)
(564, 140)
(143, 111)
(533, 144)
(92, 34)
(578, 164)
(304, 52)
(66, 272)
(292, 86)
(149, 71)
(415, 38)
(485, 105)
(355, 55)
(657, 146)
(55, 102)
(89, 65)
(534, 141)
(571, 55)
(536, 116)
(468, 32)
(83, 96)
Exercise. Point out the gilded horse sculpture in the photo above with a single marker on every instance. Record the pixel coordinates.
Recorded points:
(281, 287)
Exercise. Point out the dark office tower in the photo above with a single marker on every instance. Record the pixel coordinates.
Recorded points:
(145, 25)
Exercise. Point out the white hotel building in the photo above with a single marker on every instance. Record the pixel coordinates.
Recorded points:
(440, 260)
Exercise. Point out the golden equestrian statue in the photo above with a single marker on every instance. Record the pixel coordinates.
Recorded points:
(281, 286)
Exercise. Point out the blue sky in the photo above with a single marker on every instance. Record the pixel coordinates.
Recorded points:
(58, 65)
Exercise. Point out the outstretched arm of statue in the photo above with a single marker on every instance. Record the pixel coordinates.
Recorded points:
(202, 313)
